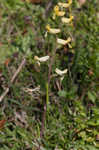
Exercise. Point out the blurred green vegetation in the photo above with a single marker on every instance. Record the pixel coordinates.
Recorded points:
(72, 116)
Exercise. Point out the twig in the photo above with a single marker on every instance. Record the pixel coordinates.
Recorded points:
(13, 78)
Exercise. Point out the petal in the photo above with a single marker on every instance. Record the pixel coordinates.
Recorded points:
(54, 31)
(63, 42)
(62, 78)
(41, 59)
(65, 5)
(48, 27)
(69, 45)
(68, 40)
(36, 58)
(60, 72)
(71, 18)
(67, 20)
(60, 13)
(70, 1)
(56, 8)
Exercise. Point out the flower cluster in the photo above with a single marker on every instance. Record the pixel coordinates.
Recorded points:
(58, 11)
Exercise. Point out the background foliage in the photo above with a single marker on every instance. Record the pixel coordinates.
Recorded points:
(72, 118)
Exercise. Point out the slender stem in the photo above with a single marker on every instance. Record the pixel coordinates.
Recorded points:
(47, 96)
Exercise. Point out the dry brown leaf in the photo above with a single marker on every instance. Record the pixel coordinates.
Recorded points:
(7, 61)
(2, 123)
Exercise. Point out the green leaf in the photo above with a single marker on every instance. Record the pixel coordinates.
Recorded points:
(91, 96)
(62, 93)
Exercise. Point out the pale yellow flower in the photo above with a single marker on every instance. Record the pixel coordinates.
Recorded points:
(64, 5)
(67, 20)
(63, 42)
(52, 30)
(41, 59)
(70, 1)
(61, 72)
(56, 8)
(57, 12)
(69, 45)
(61, 13)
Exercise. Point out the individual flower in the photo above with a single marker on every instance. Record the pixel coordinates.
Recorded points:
(67, 20)
(41, 59)
(61, 13)
(63, 42)
(56, 9)
(65, 5)
(70, 1)
(57, 12)
(52, 30)
(61, 72)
